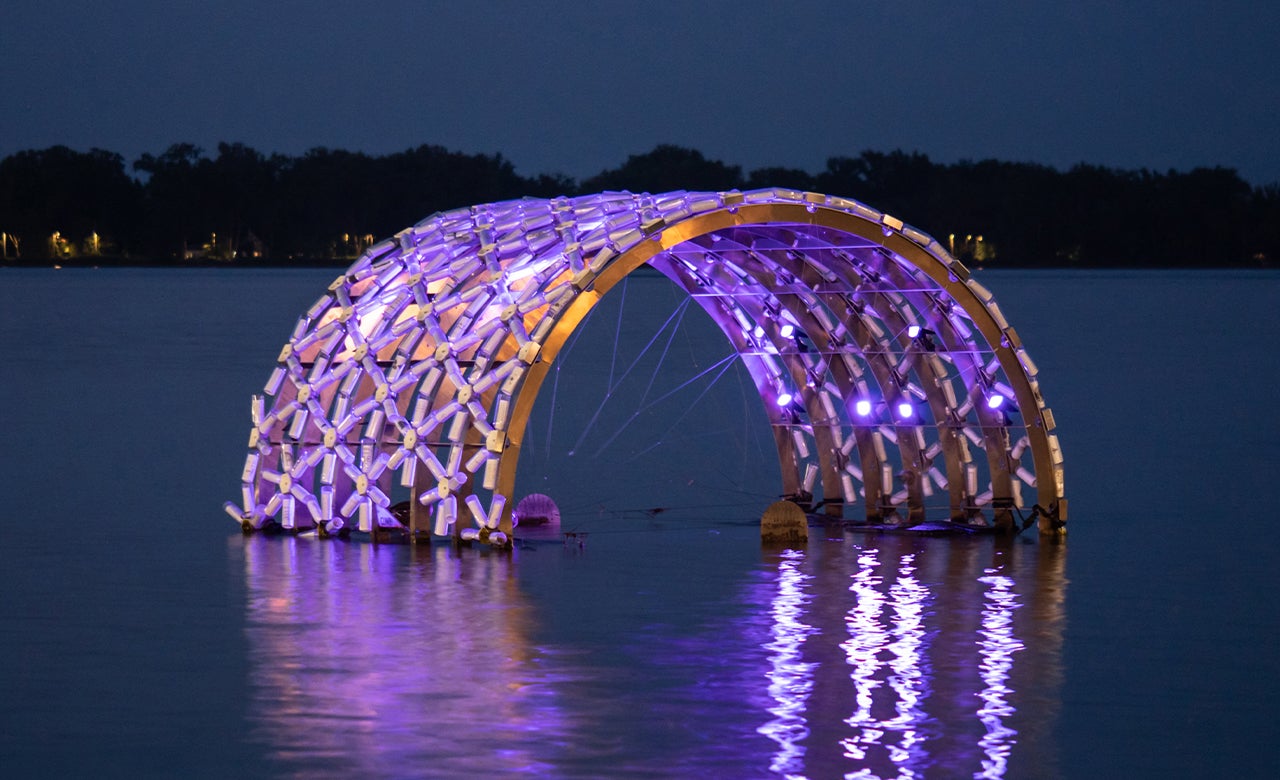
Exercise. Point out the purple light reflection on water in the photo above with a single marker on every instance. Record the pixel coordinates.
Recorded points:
(367, 658)
(998, 644)
(928, 631)
(866, 639)
(852, 657)
(790, 679)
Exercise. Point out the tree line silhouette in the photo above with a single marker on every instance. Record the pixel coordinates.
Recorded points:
(240, 206)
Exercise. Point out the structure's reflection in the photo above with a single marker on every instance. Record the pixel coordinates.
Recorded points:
(856, 657)
(367, 661)
(946, 654)
(790, 678)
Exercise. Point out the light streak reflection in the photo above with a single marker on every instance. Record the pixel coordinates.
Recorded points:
(928, 632)
(997, 644)
(790, 678)
(887, 655)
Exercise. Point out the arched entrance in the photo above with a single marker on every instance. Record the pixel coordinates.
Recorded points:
(895, 388)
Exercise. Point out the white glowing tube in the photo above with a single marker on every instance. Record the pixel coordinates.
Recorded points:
(299, 424)
(810, 477)
(364, 407)
(848, 488)
(479, 419)
(273, 505)
(274, 381)
(802, 444)
(349, 505)
(491, 474)
(495, 509)
(476, 460)
(420, 410)
(477, 510)
(318, 307)
(444, 516)
(457, 425)
(408, 471)
(379, 464)
(373, 429)
(429, 460)
(286, 457)
(250, 467)
(326, 502)
(503, 410)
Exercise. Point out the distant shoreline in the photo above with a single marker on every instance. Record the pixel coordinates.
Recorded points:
(241, 208)
(108, 263)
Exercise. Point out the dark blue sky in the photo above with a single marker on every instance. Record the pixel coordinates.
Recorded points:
(575, 88)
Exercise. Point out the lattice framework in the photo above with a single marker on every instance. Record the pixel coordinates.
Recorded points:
(881, 363)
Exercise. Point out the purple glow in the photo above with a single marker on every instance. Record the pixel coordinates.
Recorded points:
(399, 308)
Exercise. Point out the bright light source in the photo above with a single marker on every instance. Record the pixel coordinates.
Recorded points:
(995, 401)
(906, 409)
(758, 332)
(788, 331)
(784, 399)
(862, 407)
(913, 331)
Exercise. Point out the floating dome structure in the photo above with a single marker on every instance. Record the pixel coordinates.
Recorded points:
(896, 390)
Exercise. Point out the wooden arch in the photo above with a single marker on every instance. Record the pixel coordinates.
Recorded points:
(882, 364)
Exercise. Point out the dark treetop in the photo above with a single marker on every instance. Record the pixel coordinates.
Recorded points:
(240, 206)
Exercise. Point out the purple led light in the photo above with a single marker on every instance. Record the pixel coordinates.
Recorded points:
(906, 409)
(862, 407)
(995, 401)
(913, 331)
(788, 331)
(784, 399)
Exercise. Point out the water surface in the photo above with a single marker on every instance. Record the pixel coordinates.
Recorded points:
(143, 636)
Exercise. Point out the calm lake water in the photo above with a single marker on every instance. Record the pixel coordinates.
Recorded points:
(142, 635)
